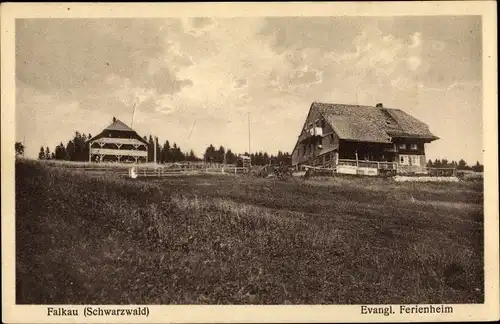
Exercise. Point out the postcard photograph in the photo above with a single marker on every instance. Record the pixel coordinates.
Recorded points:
(249, 160)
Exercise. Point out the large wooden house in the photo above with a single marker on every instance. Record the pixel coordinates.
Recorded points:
(118, 143)
(348, 138)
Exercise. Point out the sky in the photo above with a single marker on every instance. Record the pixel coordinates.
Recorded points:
(197, 81)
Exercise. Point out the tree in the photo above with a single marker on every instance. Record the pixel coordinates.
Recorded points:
(78, 147)
(429, 163)
(210, 154)
(165, 153)
(177, 155)
(19, 147)
(70, 151)
(478, 167)
(191, 156)
(151, 146)
(462, 165)
(41, 154)
(47, 153)
(221, 155)
(158, 150)
(230, 157)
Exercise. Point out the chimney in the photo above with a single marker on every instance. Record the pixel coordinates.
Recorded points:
(114, 119)
(379, 105)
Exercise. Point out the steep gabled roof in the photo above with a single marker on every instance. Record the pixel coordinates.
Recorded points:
(371, 124)
(118, 125)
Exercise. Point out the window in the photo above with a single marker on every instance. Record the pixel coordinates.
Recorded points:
(413, 160)
(414, 147)
(403, 159)
(402, 146)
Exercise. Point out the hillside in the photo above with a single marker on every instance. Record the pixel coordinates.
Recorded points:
(85, 238)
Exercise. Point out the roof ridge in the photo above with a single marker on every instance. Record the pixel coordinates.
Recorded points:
(354, 105)
(118, 125)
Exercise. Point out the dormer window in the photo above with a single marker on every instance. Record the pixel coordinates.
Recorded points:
(414, 147)
(402, 146)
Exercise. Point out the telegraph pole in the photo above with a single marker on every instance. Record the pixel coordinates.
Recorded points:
(133, 115)
(249, 148)
(155, 144)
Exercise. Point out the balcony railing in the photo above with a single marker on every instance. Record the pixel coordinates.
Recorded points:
(380, 165)
(311, 132)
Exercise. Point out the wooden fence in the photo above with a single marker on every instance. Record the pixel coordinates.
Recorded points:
(140, 172)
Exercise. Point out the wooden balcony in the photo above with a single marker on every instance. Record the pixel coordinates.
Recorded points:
(98, 151)
(379, 165)
(120, 141)
(311, 133)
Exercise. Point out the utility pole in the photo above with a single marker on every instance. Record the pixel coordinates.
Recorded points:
(249, 148)
(133, 115)
(155, 144)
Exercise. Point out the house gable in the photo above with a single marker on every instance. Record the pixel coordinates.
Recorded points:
(329, 140)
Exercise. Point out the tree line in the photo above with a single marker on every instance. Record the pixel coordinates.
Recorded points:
(226, 156)
(77, 149)
(460, 165)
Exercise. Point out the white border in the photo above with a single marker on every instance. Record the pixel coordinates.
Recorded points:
(12, 313)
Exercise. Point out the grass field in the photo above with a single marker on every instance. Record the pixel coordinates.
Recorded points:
(87, 238)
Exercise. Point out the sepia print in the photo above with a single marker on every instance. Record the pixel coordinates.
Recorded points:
(281, 160)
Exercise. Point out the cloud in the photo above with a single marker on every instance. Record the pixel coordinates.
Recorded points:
(413, 62)
(438, 45)
(200, 22)
(305, 78)
(240, 83)
(75, 56)
(416, 40)
(202, 76)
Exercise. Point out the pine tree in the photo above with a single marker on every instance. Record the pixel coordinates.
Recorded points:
(41, 154)
(210, 154)
(70, 151)
(191, 156)
(230, 157)
(19, 148)
(166, 152)
(158, 150)
(60, 152)
(174, 153)
(462, 165)
(150, 149)
(221, 152)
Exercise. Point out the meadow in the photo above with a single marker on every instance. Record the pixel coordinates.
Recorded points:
(88, 238)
